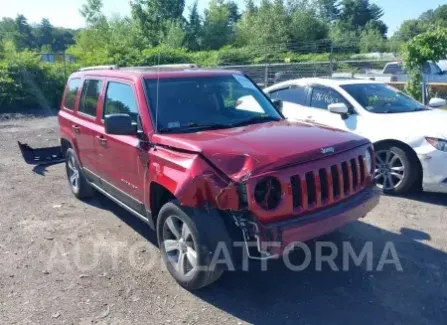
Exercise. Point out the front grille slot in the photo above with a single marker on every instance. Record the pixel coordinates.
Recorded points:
(346, 172)
(296, 191)
(362, 170)
(335, 180)
(315, 189)
(355, 173)
(311, 189)
(324, 185)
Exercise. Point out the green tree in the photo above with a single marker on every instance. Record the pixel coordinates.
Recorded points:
(371, 40)
(92, 11)
(217, 26)
(174, 35)
(429, 46)
(356, 14)
(44, 33)
(154, 16)
(25, 38)
(265, 25)
(194, 29)
(328, 10)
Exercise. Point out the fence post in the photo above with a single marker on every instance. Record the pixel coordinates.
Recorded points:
(331, 62)
(424, 88)
(266, 75)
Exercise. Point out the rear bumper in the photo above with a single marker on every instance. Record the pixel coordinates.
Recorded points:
(310, 226)
(41, 156)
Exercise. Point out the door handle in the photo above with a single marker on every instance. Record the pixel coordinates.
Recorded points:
(309, 119)
(76, 129)
(101, 139)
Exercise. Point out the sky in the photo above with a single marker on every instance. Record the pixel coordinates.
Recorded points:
(65, 13)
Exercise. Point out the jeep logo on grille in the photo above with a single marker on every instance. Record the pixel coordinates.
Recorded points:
(327, 150)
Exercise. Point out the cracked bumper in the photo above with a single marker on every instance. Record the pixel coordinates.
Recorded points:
(310, 226)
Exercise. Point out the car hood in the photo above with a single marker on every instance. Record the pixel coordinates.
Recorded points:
(245, 151)
(432, 123)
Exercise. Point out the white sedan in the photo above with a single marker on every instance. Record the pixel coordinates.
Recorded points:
(410, 139)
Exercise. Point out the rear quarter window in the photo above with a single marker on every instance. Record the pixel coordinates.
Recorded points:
(72, 90)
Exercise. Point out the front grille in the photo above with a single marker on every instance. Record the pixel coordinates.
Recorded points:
(316, 189)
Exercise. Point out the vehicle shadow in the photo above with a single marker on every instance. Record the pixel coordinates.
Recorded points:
(142, 228)
(427, 197)
(415, 295)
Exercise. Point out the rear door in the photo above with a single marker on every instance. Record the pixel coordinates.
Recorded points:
(85, 123)
(294, 100)
(122, 169)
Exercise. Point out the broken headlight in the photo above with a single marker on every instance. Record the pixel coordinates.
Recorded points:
(268, 193)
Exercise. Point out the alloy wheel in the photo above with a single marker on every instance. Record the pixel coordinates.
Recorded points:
(73, 173)
(390, 170)
(179, 246)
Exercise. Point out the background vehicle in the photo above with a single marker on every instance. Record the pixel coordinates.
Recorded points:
(172, 148)
(395, 72)
(410, 139)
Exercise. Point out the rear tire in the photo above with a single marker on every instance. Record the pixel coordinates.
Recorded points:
(188, 239)
(79, 184)
(397, 170)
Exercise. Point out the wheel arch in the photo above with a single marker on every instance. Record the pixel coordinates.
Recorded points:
(407, 148)
(158, 196)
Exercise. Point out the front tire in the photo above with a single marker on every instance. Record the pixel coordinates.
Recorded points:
(79, 184)
(397, 170)
(188, 239)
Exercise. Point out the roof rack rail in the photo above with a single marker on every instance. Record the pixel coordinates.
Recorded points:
(163, 67)
(100, 67)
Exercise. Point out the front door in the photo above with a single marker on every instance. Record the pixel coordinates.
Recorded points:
(122, 167)
(320, 99)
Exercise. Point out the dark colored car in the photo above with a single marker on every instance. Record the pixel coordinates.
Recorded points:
(173, 148)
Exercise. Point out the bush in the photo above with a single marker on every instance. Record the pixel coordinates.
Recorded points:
(26, 83)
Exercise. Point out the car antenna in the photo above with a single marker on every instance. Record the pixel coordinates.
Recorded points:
(158, 78)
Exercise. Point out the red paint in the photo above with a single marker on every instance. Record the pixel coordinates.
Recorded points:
(204, 168)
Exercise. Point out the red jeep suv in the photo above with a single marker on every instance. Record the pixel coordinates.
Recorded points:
(176, 148)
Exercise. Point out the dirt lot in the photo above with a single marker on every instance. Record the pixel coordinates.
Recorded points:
(68, 262)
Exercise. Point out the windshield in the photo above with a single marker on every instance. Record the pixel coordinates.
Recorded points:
(382, 99)
(196, 103)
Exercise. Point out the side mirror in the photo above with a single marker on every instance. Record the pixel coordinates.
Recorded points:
(338, 108)
(437, 102)
(278, 104)
(119, 124)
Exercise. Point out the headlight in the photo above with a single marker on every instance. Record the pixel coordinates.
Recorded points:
(369, 162)
(439, 144)
(268, 193)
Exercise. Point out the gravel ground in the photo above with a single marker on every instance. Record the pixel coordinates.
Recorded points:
(64, 261)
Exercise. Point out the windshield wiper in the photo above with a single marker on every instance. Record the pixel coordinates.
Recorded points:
(256, 119)
(193, 127)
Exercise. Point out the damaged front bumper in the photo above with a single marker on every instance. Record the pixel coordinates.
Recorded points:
(41, 156)
(274, 239)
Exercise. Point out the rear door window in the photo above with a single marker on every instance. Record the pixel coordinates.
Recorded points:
(120, 99)
(90, 96)
(72, 91)
(296, 95)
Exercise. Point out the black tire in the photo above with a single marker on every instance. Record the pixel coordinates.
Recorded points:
(83, 190)
(208, 230)
(411, 174)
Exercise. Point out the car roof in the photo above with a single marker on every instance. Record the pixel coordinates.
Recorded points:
(139, 73)
(325, 82)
